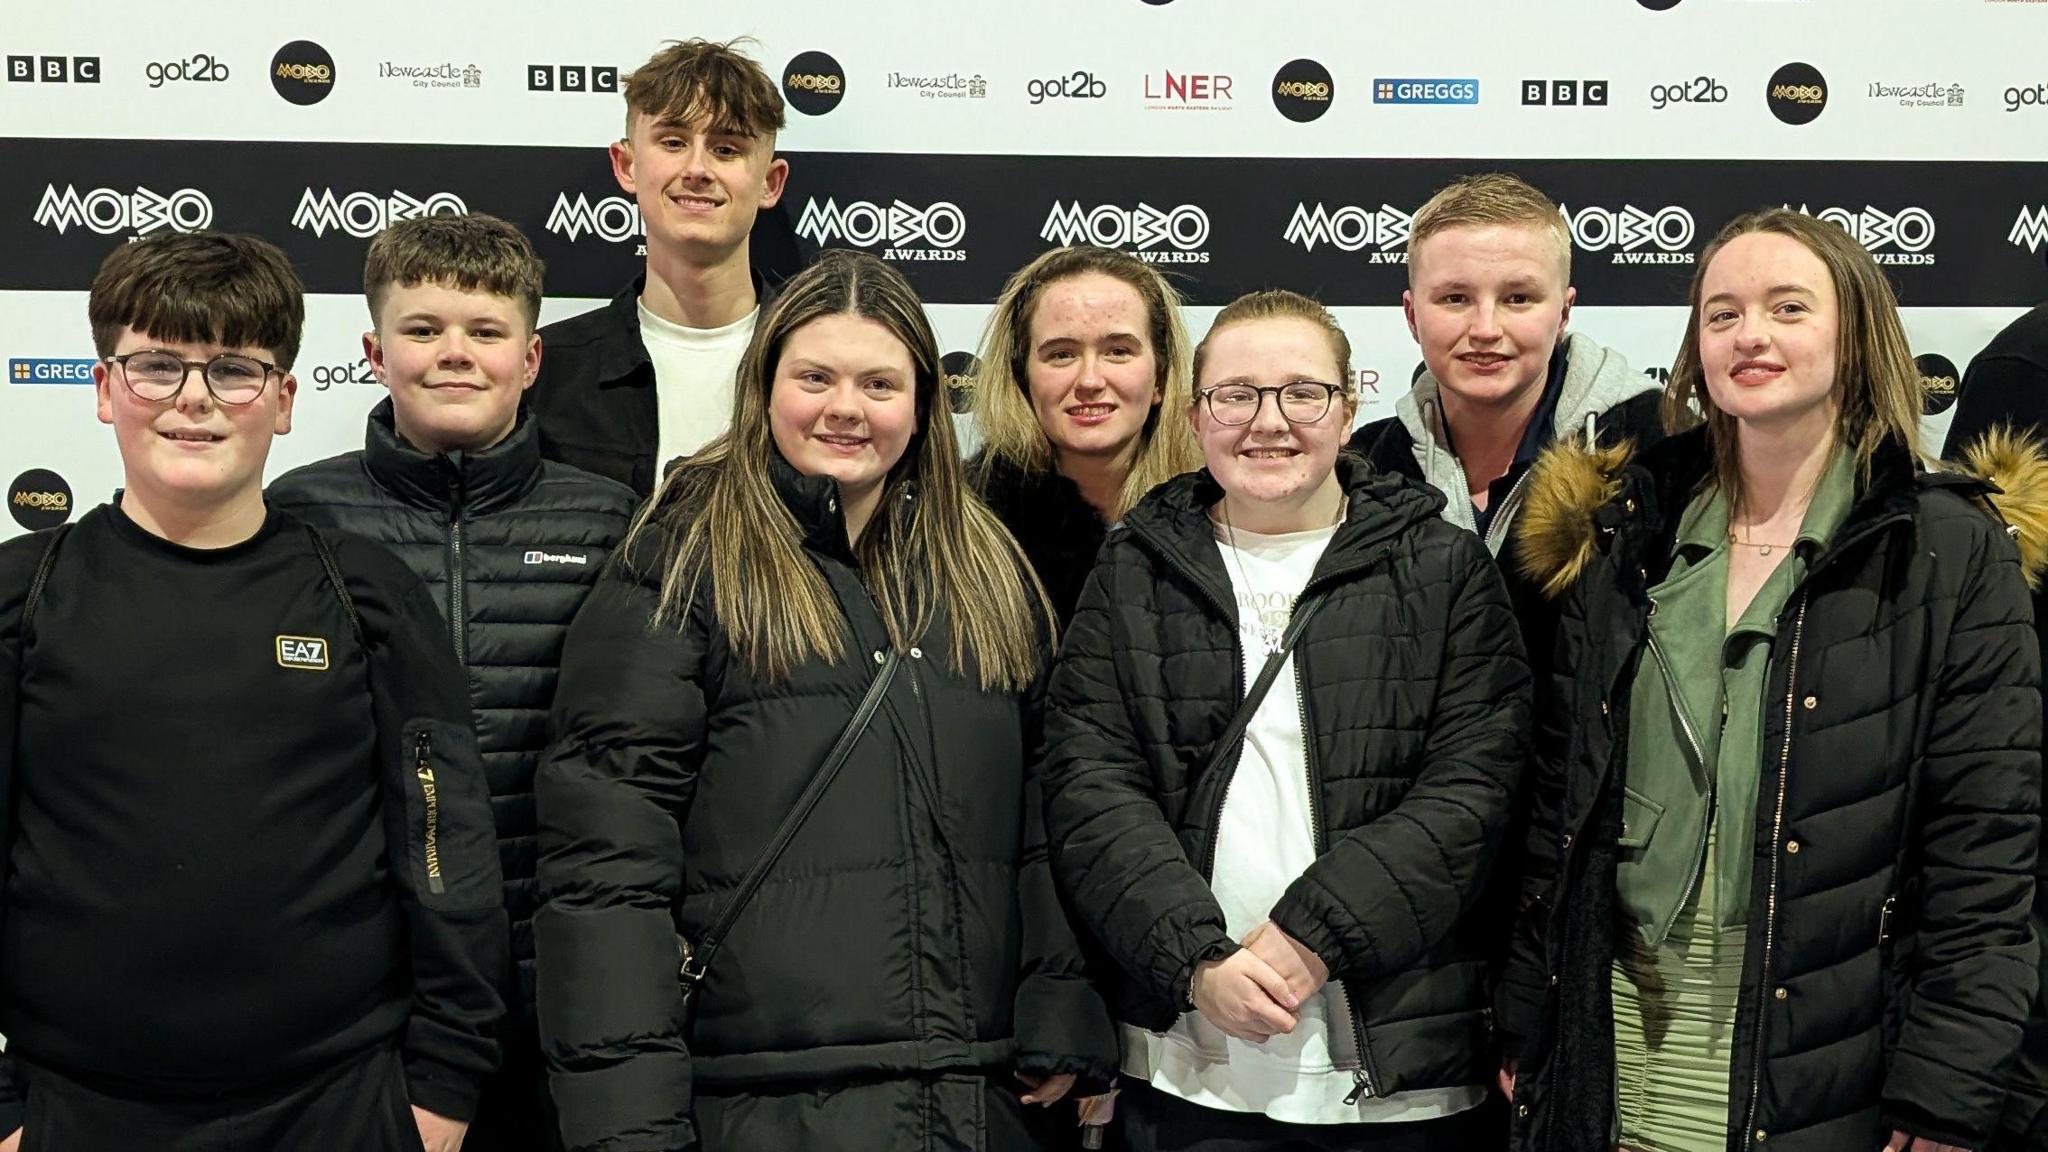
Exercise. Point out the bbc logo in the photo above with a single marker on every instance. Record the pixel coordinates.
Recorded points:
(1565, 93)
(54, 69)
(571, 78)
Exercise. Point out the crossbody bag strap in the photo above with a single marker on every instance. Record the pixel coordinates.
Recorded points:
(1233, 733)
(697, 958)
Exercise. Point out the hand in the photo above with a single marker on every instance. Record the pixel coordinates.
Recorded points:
(1507, 1079)
(437, 1133)
(1303, 970)
(1900, 1142)
(1046, 1090)
(12, 1143)
(1243, 996)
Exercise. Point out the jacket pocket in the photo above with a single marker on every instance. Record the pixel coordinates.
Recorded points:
(423, 813)
(449, 838)
(1639, 817)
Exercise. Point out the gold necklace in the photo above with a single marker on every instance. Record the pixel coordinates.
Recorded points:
(1761, 549)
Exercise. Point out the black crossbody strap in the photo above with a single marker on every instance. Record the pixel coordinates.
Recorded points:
(697, 958)
(1297, 623)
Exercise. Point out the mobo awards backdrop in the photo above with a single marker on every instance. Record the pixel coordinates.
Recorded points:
(1286, 143)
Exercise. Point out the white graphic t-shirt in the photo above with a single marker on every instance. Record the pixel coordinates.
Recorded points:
(1264, 841)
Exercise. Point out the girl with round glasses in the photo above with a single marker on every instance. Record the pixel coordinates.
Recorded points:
(1281, 743)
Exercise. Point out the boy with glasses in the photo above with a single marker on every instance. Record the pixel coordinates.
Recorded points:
(251, 897)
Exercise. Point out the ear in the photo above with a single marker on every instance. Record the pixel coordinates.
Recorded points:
(777, 178)
(1408, 311)
(622, 165)
(1571, 297)
(287, 391)
(373, 351)
(103, 391)
(532, 361)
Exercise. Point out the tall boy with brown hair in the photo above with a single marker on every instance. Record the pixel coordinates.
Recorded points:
(648, 378)
(450, 477)
(251, 898)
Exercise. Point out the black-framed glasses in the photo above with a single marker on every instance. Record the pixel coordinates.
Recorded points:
(1299, 401)
(156, 375)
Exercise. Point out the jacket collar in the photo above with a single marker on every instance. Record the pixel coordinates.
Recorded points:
(1173, 520)
(1578, 495)
(475, 482)
(621, 354)
(820, 514)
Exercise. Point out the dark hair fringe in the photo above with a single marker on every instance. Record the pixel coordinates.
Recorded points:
(200, 288)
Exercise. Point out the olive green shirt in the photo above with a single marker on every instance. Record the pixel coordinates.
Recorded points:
(1695, 757)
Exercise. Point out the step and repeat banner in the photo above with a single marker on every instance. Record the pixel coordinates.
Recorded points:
(1237, 146)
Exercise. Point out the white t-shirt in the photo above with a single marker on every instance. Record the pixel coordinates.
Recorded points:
(1265, 839)
(693, 371)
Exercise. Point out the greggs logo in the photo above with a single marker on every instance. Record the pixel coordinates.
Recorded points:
(814, 82)
(304, 652)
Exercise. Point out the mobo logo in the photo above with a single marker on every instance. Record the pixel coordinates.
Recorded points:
(960, 369)
(1797, 93)
(1669, 229)
(107, 212)
(1939, 383)
(1142, 228)
(612, 218)
(1909, 230)
(814, 83)
(364, 214)
(302, 72)
(937, 229)
(1351, 228)
(39, 498)
(1302, 90)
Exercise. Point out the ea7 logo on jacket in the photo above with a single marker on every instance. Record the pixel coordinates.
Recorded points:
(307, 652)
(539, 557)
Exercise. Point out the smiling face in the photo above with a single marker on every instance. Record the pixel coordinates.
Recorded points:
(843, 402)
(698, 186)
(1488, 304)
(1768, 327)
(1090, 366)
(1271, 460)
(456, 363)
(191, 451)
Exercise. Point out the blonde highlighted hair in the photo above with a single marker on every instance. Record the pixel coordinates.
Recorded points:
(1877, 386)
(930, 544)
(1003, 412)
(1491, 198)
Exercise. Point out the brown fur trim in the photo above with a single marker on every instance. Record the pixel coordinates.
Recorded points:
(1555, 528)
(2018, 465)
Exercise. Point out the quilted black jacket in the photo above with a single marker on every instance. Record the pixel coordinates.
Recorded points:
(509, 545)
(1416, 698)
(1889, 964)
(911, 928)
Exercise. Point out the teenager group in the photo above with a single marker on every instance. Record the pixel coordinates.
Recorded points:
(659, 737)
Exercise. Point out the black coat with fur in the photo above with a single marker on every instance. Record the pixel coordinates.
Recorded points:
(1889, 964)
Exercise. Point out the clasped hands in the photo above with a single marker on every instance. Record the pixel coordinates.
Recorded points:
(1256, 992)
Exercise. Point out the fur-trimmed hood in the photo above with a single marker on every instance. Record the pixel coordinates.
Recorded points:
(1575, 493)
